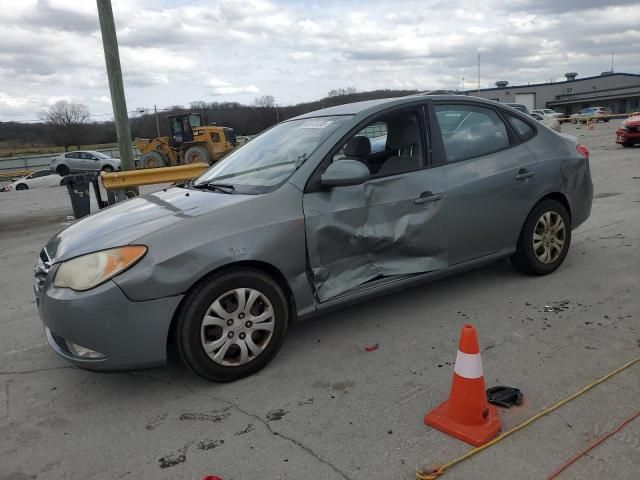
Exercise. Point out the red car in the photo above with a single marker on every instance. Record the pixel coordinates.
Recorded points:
(629, 133)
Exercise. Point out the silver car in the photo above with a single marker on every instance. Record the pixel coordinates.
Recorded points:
(83, 161)
(306, 218)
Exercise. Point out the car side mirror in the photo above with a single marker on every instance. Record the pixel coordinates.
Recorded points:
(345, 172)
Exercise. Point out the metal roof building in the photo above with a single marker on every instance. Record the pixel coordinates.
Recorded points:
(618, 91)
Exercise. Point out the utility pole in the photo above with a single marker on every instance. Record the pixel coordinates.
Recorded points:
(478, 73)
(277, 113)
(114, 72)
(462, 84)
(155, 109)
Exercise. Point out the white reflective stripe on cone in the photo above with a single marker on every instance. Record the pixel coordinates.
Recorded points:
(468, 365)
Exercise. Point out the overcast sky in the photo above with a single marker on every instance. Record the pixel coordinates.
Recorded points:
(175, 52)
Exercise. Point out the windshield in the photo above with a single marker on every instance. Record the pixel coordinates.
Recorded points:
(268, 160)
(101, 155)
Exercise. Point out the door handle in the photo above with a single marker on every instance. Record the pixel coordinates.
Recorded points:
(523, 174)
(426, 197)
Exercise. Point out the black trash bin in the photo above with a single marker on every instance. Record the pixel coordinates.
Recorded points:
(78, 188)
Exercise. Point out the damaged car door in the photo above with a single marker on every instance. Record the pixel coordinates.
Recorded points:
(376, 216)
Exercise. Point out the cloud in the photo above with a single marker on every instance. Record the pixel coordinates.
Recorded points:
(182, 51)
(234, 90)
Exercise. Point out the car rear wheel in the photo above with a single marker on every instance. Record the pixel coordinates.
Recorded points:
(544, 240)
(62, 170)
(232, 325)
(22, 186)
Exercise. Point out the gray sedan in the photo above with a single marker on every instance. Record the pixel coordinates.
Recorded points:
(307, 217)
(83, 161)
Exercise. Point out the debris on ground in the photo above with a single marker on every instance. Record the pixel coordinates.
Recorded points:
(504, 396)
(557, 306)
(371, 348)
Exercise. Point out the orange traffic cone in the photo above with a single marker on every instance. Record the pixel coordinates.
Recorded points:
(467, 415)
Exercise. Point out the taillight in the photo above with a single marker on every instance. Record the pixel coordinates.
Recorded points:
(584, 151)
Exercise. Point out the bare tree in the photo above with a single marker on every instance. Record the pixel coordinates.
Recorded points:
(266, 101)
(198, 106)
(339, 92)
(67, 122)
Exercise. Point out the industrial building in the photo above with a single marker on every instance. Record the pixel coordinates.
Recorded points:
(618, 91)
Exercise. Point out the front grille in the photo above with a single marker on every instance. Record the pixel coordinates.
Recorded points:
(631, 128)
(41, 270)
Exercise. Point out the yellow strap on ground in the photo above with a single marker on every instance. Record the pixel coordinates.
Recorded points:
(151, 176)
(436, 472)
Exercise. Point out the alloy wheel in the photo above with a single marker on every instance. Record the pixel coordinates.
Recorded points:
(237, 327)
(549, 237)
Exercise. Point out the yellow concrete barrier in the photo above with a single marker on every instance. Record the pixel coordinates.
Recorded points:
(151, 176)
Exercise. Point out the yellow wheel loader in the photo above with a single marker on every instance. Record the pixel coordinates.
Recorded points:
(191, 141)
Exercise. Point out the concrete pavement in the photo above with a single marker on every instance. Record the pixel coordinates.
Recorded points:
(327, 409)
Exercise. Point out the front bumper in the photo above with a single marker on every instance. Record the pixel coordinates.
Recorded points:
(624, 136)
(127, 334)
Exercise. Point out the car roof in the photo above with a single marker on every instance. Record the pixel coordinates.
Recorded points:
(380, 103)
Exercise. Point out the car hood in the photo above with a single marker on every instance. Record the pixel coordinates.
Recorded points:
(125, 222)
(632, 121)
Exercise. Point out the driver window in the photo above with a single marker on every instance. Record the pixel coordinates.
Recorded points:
(389, 145)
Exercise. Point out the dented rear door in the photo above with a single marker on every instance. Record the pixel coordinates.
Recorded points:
(385, 227)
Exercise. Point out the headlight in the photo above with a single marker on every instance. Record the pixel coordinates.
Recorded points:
(89, 271)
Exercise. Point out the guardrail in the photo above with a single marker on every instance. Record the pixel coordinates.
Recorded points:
(29, 163)
(151, 176)
(596, 118)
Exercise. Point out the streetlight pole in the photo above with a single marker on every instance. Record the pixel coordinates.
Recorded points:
(114, 73)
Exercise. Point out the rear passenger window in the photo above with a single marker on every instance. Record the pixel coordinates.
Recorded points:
(525, 131)
(469, 131)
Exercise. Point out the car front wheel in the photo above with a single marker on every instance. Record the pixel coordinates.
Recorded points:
(544, 240)
(231, 325)
(107, 169)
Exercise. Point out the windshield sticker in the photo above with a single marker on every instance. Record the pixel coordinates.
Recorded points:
(316, 123)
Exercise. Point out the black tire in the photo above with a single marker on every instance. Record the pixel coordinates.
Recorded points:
(199, 300)
(107, 169)
(525, 258)
(22, 186)
(153, 160)
(62, 170)
(196, 155)
(627, 144)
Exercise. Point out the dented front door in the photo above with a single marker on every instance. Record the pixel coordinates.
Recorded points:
(385, 227)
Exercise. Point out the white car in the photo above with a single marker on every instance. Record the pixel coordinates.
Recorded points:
(83, 161)
(547, 112)
(547, 121)
(39, 178)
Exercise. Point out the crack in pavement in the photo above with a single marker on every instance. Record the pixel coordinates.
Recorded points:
(303, 447)
(37, 370)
